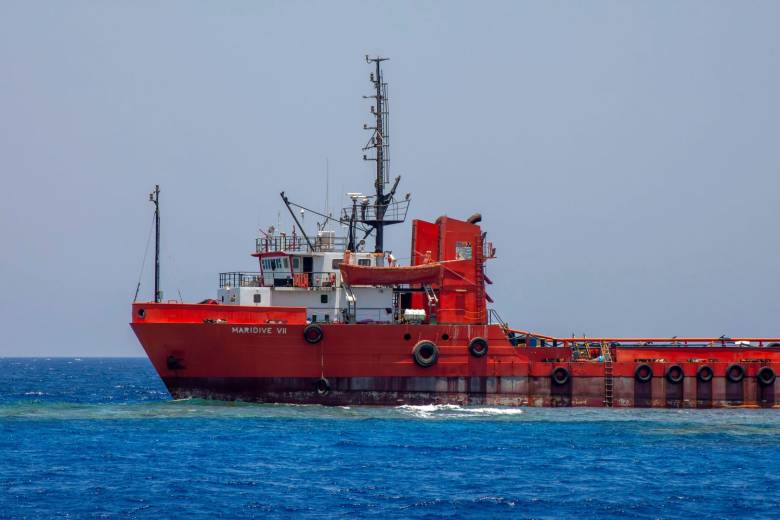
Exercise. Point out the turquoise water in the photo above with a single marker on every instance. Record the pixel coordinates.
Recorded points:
(101, 438)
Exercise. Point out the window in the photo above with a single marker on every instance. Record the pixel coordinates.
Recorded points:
(364, 261)
(313, 318)
(296, 263)
(335, 263)
(327, 318)
(323, 298)
(258, 297)
(286, 263)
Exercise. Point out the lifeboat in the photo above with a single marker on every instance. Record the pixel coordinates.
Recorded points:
(372, 275)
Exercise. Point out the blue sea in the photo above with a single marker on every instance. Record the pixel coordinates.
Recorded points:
(84, 438)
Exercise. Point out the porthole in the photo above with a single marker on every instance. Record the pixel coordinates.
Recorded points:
(407, 336)
(141, 313)
(445, 336)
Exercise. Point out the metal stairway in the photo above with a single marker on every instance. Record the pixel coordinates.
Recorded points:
(351, 303)
(433, 300)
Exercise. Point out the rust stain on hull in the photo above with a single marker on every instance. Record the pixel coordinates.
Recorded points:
(473, 390)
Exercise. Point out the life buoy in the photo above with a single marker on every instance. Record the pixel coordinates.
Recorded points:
(766, 376)
(560, 376)
(704, 374)
(425, 353)
(643, 373)
(735, 373)
(478, 347)
(675, 374)
(312, 333)
(322, 386)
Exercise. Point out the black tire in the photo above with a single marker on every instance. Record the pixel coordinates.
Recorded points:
(560, 376)
(643, 373)
(766, 376)
(675, 374)
(735, 373)
(322, 386)
(478, 347)
(704, 374)
(425, 353)
(312, 333)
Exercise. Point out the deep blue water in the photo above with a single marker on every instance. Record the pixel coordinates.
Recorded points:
(101, 438)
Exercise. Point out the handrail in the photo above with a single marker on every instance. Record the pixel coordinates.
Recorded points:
(268, 279)
(290, 243)
(675, 341)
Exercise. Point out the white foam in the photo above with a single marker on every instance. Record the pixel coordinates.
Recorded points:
(427, 411)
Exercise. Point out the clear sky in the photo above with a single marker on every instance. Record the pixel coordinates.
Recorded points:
(624, 154)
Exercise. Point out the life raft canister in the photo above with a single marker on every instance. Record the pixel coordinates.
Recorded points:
(735, 373)
(560, 376)
(322, 386)
(312, 333)
(643, 373)
(766, 376)
(704, 374)
(478, 347)
(675, 374)
(425, 353)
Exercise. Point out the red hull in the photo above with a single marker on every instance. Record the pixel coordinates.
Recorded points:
(234, 353)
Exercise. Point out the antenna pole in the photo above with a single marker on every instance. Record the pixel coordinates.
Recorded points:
(379, 142)
(154, 197)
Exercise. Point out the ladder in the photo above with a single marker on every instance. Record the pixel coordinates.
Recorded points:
(606, 353)
(479, 280)
(433, 300)
(581, 351)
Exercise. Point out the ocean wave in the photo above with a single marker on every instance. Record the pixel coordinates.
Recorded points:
(433, 411)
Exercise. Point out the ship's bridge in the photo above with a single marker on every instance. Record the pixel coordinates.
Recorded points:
(297, 271)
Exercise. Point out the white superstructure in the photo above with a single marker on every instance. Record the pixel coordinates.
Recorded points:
(299, 272)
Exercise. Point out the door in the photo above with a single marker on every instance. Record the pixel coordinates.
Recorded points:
(308, 265)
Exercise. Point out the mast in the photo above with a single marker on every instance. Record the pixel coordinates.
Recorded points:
(379, 142)
(154, 197)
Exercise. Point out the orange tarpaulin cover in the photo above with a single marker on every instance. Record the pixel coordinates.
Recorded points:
(369, 275)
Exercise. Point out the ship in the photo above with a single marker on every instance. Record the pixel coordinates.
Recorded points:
(328, 320)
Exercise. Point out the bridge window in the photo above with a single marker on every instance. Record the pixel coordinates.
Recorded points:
(364, 261)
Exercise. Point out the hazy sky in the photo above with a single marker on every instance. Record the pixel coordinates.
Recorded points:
(624, 154)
